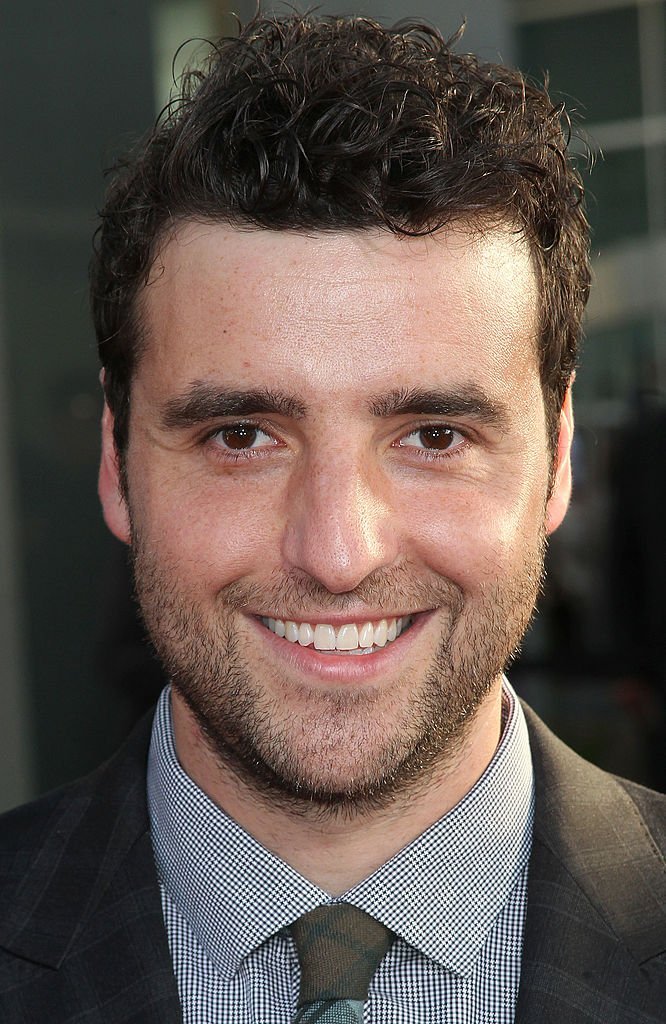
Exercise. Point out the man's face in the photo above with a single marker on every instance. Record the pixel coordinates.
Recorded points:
(337, 437)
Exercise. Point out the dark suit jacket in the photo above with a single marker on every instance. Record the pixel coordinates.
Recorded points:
(82, 937)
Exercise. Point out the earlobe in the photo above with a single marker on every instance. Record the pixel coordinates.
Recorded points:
(109, 488)
(560, 493)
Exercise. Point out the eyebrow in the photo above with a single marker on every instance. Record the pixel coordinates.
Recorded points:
(202, 402)
(469, 401)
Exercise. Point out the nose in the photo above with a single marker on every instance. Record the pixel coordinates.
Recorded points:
(340, 526)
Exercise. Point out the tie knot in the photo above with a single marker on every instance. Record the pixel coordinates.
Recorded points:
(339, 949)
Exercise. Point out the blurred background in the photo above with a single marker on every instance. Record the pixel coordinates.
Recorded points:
(82, 79)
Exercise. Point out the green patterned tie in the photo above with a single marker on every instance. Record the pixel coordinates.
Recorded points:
(339, 949)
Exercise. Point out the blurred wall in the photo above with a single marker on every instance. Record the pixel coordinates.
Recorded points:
(596, 666)
(76, 86)
(488, 32)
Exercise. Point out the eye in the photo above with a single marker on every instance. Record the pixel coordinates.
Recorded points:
(435, 438)
(243, 437)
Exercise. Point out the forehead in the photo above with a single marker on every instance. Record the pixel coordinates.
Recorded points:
(339, 308)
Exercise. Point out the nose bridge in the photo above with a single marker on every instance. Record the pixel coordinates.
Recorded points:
(338, 530)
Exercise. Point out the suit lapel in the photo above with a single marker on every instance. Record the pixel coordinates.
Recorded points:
(596, 896)
(87, 908)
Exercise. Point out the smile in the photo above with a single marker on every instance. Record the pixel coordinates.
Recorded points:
(350, 638)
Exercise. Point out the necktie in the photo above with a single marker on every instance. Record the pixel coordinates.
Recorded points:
(339, 948)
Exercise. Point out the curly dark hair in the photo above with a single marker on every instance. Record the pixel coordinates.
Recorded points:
(316, 123)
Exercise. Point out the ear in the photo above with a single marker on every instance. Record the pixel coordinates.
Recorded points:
(109, 488)
(560, 492)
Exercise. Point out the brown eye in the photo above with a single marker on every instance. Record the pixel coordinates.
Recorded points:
(240, 436)
(436, 437)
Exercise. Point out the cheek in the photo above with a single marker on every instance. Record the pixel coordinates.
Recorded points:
(478, 539)
(211, 533)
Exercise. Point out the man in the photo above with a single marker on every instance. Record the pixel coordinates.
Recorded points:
(338, 293)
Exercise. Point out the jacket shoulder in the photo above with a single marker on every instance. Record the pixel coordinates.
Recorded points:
(77, 820)
(25, 829)
(81, 928)
(595, 934)
(651, 807)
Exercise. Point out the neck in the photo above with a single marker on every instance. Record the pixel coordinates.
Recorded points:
(335, 850)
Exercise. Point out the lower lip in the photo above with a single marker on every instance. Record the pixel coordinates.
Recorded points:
(343, 668)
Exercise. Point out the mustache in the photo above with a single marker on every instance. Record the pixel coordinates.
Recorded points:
(297, 594)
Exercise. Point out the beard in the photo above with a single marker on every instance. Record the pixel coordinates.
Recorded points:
(333, 750)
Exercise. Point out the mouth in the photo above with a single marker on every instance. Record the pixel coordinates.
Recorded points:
(355, 638)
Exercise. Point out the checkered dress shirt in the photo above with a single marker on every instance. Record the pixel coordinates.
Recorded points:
(455, 897)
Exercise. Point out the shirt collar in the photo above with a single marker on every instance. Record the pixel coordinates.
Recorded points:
(235, 894)
(443, 892)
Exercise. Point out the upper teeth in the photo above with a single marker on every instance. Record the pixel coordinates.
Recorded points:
(349, 637)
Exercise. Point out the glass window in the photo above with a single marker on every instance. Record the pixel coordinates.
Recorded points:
(616, 197)
(617, 363)
(592, 59)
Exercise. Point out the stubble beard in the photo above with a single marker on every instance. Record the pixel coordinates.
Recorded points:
(334, 750)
